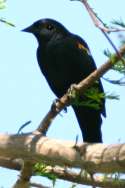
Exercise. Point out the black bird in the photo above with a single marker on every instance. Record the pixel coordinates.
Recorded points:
(64, 58)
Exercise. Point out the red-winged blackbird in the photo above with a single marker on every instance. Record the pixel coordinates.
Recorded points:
(64, 58)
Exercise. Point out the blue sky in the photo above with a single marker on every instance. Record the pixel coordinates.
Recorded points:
(25, 94)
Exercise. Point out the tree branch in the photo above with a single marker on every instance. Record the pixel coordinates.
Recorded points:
(91, 157)
(68, 175)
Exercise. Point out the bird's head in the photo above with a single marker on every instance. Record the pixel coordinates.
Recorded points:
(47, 29)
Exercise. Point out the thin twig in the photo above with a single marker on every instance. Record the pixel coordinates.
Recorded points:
(119, 82)
(23, 126)
(96, 19)
(114, 47)
(38, 185)
(93, 16)
(110, 41)
(25, 175)
(99, 24)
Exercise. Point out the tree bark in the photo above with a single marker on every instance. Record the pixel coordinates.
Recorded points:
(91, 157)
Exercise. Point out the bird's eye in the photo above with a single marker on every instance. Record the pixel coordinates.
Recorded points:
(50, 27)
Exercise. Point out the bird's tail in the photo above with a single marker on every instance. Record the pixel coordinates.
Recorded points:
(90, 123)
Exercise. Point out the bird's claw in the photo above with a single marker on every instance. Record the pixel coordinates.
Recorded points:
(72, 91)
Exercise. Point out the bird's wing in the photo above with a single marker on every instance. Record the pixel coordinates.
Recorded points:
(83, 47)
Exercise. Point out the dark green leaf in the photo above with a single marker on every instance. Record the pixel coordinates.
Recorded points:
(118, 22)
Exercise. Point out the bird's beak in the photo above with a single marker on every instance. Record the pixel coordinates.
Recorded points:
(28, 29)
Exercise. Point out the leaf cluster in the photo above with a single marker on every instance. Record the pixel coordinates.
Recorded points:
(119, 66)
(91, 98)
(2, 4)
(41, 170)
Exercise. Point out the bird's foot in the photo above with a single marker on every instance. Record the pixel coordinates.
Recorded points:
(74, 95)
(72, 91)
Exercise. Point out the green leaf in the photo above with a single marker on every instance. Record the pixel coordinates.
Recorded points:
(41, 170)
(110, 56)
(73, 186)
(119, 66)
(92, 97)
(2, 4)
(118, 22)
(112, 96)
(107, 53)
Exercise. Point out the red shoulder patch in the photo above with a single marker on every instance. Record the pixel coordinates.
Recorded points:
(82, 47)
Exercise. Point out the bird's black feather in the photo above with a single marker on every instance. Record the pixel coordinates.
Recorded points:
(64, 59)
